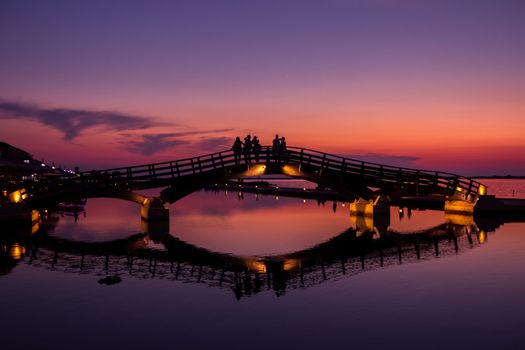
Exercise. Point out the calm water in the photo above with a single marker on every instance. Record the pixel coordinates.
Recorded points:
(261, 272)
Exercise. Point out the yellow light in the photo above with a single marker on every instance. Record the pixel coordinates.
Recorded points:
(257, 266)
(290, 264)
(460, 219)
(482, 237)
(482, 190)
(16, 251)
(343, 205)
(459, 189)
(15, 197)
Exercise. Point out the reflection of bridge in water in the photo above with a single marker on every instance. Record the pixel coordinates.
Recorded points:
(349, 253)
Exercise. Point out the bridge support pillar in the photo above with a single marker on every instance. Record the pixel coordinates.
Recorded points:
(373, 207)
(460, 203)
(155, 217)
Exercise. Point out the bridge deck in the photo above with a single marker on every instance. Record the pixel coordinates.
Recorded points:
(318, 165)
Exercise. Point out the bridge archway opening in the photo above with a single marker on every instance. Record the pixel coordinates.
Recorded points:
(350, 190)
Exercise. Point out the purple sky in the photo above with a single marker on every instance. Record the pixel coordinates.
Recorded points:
(431, 84)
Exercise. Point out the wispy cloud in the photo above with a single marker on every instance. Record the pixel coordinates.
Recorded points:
(148, 144)
(214, 143)
(73, 122)
(136, 132)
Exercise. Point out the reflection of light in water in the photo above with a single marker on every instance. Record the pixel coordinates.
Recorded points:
(256, 266)
(291, 264)
(16, 252)
(459, 219)
(482, 236)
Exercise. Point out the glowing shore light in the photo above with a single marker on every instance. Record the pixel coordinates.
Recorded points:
(482, 237)
(17, 251)
(482, 190)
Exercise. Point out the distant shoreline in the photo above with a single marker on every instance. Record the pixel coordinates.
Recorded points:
(501, 177)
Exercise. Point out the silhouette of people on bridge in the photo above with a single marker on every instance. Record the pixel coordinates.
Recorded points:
(256, 145)
(237, 149)
(247, 148)
(276, 145)
(282, 149)
(279, 147)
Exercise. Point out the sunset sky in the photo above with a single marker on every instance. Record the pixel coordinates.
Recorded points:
(428, 84)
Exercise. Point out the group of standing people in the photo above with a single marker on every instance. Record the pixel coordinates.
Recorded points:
(253, 146)
(249, 146)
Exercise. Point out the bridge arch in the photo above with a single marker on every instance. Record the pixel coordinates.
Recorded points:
(183, 187)
(95, 192)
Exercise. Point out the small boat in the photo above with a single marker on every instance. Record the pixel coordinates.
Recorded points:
(74, 206)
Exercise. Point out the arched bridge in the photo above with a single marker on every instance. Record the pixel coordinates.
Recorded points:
(350, 177)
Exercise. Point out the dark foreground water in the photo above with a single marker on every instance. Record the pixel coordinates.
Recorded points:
(263, 273)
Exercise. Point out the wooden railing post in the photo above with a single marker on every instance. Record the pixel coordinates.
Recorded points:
(171, 170)
(417, 182)
(322, 164)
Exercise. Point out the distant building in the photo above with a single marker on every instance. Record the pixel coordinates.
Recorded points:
(8, 152)
(18, 165)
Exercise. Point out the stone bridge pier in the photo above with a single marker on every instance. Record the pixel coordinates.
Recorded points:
(155, 218)
(378, 207)
(465, 203)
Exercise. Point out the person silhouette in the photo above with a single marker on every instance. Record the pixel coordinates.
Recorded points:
(276, 145)
(282, 149)
(282, 144)
(247, 148)
(256, 145)
(237, 149)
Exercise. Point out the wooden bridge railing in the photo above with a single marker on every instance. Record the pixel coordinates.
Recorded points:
(371, 174)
